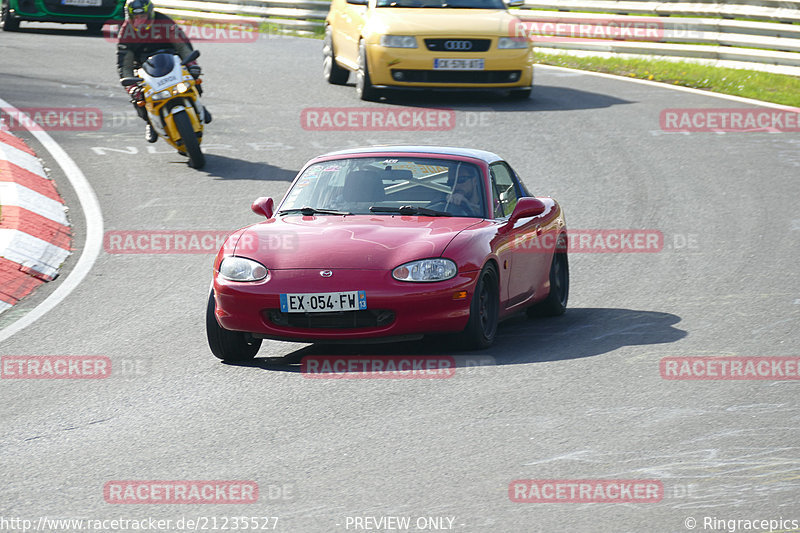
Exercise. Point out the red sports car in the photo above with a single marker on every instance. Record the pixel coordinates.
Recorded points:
(390, 243)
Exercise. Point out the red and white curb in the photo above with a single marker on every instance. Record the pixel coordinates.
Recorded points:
(34, 231)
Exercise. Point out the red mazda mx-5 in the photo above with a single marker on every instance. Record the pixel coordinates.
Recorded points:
(390, 242)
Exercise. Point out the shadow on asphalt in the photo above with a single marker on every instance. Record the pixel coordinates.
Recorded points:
(229, 168)
(543, 98)
(581, 332)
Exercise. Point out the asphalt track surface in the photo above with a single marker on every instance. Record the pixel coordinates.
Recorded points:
(575, 397)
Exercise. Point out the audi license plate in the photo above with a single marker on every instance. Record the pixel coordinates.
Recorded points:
(322, 302)
(458, 64)
(84, 3)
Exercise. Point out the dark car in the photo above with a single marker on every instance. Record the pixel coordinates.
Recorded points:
(93, 13)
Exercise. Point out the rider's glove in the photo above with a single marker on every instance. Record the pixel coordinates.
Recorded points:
(195, 71)
(135, 93)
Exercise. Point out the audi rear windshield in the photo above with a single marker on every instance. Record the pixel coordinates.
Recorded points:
(454, 4)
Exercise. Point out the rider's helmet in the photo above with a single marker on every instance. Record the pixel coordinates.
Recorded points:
(140, 14)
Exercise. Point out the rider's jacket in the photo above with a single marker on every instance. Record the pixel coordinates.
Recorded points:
(134, 47)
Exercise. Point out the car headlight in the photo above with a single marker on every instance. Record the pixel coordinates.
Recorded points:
(512, 42)
(242, 269)
(398, 41)
(426, 270)
(162, 94)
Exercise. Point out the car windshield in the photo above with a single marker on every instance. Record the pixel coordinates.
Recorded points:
(388, 186)
(456, 4)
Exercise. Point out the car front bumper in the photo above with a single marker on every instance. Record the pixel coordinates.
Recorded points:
(394, 308)
(413, 67)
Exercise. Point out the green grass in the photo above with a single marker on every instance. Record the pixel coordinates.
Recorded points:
(777, 88)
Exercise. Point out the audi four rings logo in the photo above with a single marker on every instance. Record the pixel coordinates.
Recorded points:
(325, 273)
(458, 45)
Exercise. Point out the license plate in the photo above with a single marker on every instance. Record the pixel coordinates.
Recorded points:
(458, 64)
(322, 302)
(86, 3)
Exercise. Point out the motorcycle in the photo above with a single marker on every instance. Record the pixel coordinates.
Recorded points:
(170, 95)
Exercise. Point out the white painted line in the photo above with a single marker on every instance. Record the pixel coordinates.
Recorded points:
(15, 194)
(94, 234)
(22, 159)
(673, 87)
(31, 251)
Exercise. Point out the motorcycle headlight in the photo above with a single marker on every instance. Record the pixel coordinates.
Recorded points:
(511, 42)
(242, 269)
(426, 270)
(162, 95)
(183, 87)
(398, 41)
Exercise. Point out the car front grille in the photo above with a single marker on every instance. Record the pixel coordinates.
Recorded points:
(370, 318)
(456, 76)
(105, 10)
(457, 45)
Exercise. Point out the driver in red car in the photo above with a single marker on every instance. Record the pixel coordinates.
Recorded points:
(144, 33)
(466, 193)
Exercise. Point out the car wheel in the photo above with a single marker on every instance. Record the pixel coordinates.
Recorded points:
(519, 94)
(484, 311)
(225, 344)
(556, 302)
(364, 88)
(7, 20)
(333, 73)
(94, 28)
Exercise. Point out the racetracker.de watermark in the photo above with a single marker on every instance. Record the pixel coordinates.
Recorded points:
(586, 491)
(180, 492)
(51, 119)
(377, 119)
(383, 367)
(581, 30)
(191, 242)
(729, 120)
(593, 241)
(730, 368)
(55, 367)
(209, 30)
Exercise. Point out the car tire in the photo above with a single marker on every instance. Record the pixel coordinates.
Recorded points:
(364, 88)
(331, 71)
(94, 28)
(556, 302)
(7, 20)
(519, 94)
(233, 346)
(484, 311)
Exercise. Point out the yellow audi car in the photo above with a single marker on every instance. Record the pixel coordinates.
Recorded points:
(413, 44)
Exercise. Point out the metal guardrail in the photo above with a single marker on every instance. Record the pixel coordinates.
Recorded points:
(754, 34)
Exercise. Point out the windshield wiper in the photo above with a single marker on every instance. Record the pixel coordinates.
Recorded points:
(409, 210)
(308, 211)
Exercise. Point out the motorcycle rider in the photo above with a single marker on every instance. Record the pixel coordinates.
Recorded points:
(143, 33)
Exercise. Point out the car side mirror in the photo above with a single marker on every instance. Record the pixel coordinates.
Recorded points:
(527, 207)
(263, 206)
(516, 3)
(358, 2)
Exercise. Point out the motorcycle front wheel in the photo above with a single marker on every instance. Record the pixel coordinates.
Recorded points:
(190, 144)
